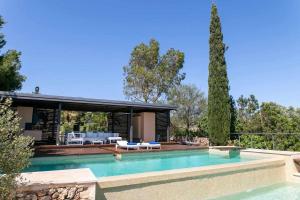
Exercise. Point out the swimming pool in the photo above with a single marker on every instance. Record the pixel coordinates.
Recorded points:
(284, 191)
(131, 163)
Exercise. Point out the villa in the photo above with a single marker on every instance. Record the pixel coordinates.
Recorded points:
(135, 156)
(132, 121)
(172, 171)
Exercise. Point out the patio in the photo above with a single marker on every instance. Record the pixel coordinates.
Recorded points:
(50, 150)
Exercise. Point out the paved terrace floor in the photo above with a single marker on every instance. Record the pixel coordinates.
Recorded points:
(52, 150)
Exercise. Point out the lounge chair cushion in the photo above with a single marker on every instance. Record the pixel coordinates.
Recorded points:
(131, 143)
(153, 142)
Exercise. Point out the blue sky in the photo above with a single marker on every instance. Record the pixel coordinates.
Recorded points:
(78, 48)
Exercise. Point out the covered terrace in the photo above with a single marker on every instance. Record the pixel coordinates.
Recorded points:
(132, 120)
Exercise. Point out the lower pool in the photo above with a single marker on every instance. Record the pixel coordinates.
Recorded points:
(284, 191)
(131, 163)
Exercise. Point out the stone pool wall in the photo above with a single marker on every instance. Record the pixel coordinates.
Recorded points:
(72, 184)
(71, 192)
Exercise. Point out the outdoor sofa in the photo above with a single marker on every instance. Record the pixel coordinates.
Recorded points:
(91, 137)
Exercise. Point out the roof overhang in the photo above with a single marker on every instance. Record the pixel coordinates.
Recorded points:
(82, 104)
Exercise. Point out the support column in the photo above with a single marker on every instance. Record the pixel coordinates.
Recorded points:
(168, 128)
(130, 125)
(112, 122)
(58, 125)
(53, 122)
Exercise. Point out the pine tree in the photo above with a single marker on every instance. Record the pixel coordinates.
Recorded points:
(10, 77)
(218, 91)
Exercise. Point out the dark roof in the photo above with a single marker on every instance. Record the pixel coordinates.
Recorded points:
(81, 104)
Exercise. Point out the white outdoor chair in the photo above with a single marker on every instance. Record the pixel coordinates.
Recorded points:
(74, 139)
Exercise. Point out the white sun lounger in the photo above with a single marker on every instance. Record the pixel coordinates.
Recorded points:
(150, 145)
(154, 145)
(144, 145)
(124, 145)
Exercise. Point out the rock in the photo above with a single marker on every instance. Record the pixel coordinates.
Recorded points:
(59, 190)
(45, 198)
(63, 194)
(28, 197)
(77, 196)
(80, 189)
(31, 197)
(55, 195)
(41, 193)
(34, 197)
(71, 192)
(51, 191)
(20, 195)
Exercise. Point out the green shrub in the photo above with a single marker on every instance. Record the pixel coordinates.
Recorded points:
(276, 141)
(15, 150)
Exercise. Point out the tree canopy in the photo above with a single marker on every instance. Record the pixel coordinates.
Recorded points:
(191, 104)
(218, 88)
(10, 65)
(150, 76)
(248, 115)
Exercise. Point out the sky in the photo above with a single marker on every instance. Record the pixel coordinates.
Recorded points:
(78, 48)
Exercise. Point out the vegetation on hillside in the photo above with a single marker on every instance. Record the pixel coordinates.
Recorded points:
(268, 117)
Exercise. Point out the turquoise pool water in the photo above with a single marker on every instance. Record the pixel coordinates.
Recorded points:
(107, 165)
(284, 191)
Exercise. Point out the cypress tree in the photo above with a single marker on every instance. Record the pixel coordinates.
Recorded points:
(218, 89)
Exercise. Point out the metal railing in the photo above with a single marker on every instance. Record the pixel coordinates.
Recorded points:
(272, 135)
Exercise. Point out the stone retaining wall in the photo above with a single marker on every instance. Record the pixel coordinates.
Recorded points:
(71, 192)
(71, 184)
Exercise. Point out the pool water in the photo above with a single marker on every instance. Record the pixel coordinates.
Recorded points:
(107, 165)
(284, 191)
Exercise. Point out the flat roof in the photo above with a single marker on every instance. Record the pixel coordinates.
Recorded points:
(81, 104)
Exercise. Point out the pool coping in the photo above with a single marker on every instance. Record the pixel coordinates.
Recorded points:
(272, 152)
(70, 176)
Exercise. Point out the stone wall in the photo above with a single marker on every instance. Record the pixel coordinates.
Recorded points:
(70, 192)
(57, 184)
